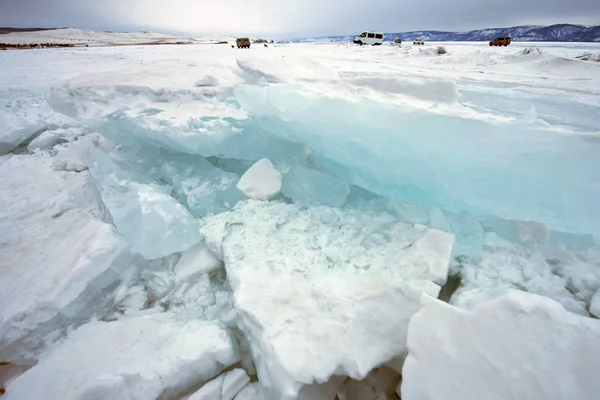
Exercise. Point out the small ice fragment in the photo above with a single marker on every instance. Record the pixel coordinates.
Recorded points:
(261, 182)
(196, 260)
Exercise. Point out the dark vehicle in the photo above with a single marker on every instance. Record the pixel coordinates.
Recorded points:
(243, 43)
(398, 41)
(500, 41)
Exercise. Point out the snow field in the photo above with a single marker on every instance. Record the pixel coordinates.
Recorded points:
(287, 216)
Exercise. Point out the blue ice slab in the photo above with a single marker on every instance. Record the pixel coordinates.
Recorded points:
(154, 223)
(510, 170)
(201, 187)
(311, 187)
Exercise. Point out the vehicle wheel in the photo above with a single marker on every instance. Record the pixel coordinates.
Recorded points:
(360, 43)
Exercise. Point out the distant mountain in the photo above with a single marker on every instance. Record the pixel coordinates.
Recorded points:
(4, 30)
(525, 33)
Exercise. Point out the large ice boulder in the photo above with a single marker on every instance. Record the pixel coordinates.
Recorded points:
(144, 357)
(152, 221)
(322, 291)
(261, 181)
(59, 263)
(516, 346)
(429, 157)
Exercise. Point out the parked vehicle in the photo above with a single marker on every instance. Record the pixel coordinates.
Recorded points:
(398, 41)
(370, 38)
(419, 41)
(500, 41)
(243, 43)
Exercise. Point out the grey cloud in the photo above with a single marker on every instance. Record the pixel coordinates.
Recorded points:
(293, 17)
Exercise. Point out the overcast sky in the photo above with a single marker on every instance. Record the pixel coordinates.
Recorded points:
(293, 18)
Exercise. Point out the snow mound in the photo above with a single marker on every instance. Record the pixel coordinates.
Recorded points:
(589, 57)
(207, 80)
(134, 358)
(516, 346)
(424, 89)
(316, 286)
(261, 181)
(278, 69)
(528, 50)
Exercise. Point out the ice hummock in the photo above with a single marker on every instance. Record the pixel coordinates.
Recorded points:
(505, 169)
(316, 286)
(142, 357)
(516, 346)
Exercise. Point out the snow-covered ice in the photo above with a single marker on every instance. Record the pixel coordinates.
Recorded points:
(314, 287)
(517, 346)
(145, 357)
(133, 196)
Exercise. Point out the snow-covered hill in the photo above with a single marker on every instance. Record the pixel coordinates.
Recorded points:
(525, 33)
(99, 38)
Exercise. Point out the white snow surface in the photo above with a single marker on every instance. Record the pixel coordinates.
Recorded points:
(134, 358)
(517, 346)
(96, 38)
(262, 181)
(312, 295)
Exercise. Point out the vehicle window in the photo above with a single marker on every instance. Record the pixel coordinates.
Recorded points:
(371, 35)
(379, 36)
(364, 34)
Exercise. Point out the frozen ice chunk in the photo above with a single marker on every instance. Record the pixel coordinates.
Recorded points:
(75, 267)
(201, 187)
(595, 305)
(250, 392)
(11, 139)
(468, 232)
(153, 222)
(57, 268)
(309, 186)
(197, 260)
(133, 358)
(517, 346)
(512, 170)
(207, 80)
(518, 268)
(309, 279)
(71, 156)
(262, 181)
(224, 387)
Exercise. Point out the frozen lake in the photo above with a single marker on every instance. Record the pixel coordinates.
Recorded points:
(135, 197)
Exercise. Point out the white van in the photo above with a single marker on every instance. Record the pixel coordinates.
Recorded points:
(372, 38)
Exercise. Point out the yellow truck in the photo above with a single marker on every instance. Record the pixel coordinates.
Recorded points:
(243, 43)
(500, 41)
